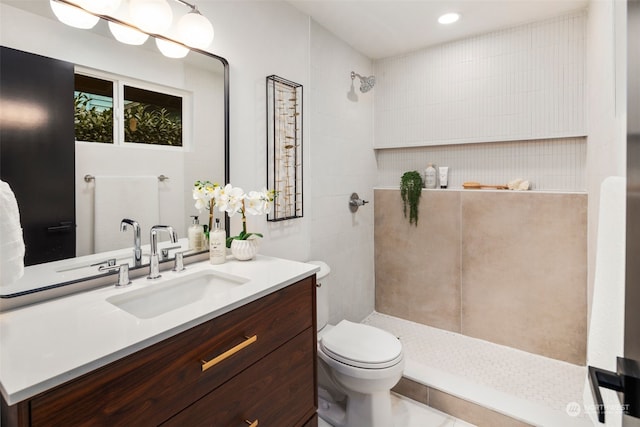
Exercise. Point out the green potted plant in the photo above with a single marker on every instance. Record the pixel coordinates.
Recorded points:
(410, 191)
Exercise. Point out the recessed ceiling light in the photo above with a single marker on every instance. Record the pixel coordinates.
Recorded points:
(449, 18)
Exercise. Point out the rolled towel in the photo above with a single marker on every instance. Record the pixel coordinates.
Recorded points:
(11, 240)
(518, 184)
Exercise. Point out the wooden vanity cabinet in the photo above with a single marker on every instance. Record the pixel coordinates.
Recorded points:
(264, 369)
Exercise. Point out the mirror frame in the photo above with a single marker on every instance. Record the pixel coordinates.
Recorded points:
(196, 255)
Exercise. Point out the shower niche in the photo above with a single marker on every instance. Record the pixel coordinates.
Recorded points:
(284, 147)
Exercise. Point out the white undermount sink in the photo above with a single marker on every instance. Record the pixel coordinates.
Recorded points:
(171, 294)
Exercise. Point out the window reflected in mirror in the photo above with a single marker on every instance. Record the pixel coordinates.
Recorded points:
(93, 103)
(149, 116)
(152, 117)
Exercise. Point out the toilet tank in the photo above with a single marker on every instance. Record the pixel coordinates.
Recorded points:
(322, 293)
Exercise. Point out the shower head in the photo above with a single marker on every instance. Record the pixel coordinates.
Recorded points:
(366, 83)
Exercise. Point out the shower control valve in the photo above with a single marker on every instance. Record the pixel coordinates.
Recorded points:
(355, 202)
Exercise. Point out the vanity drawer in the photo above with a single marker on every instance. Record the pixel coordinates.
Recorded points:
(153, 384)
(277, 391)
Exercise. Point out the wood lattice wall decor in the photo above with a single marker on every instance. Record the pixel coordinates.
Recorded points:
(284, 147)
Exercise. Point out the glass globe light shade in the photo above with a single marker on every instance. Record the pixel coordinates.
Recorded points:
(127, 35)
(152, 16)
(195, 30)
(102, 7)
(171, 49)
(73, 16)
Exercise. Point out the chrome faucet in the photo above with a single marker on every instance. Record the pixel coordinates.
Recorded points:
(137, 252)
(154, 262)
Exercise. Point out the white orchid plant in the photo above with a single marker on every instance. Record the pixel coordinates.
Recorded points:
(233, 200)
(204, 193)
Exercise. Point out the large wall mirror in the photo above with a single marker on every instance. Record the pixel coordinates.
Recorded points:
(201, 79)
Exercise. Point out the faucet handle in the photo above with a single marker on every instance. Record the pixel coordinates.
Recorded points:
(179, 262)
(123, 273)
(109, 263)
(164, 252)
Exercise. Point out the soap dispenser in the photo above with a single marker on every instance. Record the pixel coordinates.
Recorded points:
(196, 235)
(217, 244)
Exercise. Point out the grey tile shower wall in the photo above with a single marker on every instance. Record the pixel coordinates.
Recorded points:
(505, 267)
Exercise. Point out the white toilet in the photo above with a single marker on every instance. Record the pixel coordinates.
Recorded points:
(357, 367)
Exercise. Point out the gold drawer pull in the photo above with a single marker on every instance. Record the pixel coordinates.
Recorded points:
(249, 340)
(252, 424)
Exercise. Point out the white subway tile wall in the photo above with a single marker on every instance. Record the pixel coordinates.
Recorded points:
(493, 108)
(550, 164)
(520, 83)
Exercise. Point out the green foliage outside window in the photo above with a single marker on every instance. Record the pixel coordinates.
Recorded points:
(92, 124)
(152, 126)
(143, 124)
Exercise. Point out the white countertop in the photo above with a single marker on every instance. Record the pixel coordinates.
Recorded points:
(47, 344)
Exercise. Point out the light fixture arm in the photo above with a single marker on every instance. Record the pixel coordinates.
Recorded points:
(193, 7)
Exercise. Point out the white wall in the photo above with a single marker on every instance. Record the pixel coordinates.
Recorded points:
(261, 38)
(606, 107)
(517, 94)
(342, 162)
(520, 83)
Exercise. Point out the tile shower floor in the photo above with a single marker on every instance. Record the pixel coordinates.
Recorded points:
(525, 386)
(409, 413)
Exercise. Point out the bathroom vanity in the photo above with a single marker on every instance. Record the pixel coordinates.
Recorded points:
(234, 344)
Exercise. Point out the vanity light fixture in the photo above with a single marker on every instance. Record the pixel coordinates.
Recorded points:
(127, 35)
(171, 49)
(195, 30)
(73, 16)
(152, 16)
(156, 16)
(449, 18)
(143, 18)
(102, 7)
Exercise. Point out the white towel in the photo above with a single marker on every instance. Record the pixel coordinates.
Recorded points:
(118, 197)
(11, 241)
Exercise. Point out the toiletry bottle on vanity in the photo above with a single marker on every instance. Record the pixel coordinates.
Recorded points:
(217, 244)
(196, 235)
(430, 176)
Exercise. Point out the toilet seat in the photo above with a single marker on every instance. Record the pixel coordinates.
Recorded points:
(362, 346)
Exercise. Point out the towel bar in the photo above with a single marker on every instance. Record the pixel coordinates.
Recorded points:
(89, 178)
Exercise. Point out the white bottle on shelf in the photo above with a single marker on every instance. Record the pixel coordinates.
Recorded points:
(430, 176)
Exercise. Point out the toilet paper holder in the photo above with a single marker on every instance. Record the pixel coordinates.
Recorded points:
(355, 202)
